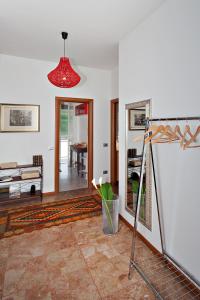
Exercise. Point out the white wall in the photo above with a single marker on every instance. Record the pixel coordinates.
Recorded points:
(82, 128)
(115, 83)
(25, 81)
(131, 135)
(160, 60)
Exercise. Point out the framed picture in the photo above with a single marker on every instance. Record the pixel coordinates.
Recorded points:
(19, 117)
(137, 119)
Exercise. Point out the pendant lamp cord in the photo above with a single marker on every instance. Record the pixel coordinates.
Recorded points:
(64, 36)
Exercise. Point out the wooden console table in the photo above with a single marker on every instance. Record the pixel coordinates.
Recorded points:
(79, 150)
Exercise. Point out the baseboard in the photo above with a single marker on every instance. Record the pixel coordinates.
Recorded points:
(139, 235)
(49, 194)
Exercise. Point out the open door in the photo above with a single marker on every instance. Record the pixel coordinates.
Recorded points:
(114, 155)
(74, 144)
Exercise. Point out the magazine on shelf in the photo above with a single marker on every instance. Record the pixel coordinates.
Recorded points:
(5, 178)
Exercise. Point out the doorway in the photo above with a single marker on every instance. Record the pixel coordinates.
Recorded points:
(114, 155)
(73, 144)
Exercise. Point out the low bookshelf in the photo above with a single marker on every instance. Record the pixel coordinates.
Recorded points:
(14, 188)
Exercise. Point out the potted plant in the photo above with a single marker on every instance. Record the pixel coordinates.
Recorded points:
(110, 206)
(135, 190)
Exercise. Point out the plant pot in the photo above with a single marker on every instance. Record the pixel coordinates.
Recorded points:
(110, 212)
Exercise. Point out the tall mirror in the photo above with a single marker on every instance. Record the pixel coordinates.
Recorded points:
(136, 114)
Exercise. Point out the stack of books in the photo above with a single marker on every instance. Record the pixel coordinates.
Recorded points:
(5, 178)
(8, 165)
(37, 160)
(30, 174)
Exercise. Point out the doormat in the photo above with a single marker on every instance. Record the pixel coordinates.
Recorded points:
(49, 214)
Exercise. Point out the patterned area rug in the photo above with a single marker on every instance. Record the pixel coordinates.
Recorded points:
(48, 214)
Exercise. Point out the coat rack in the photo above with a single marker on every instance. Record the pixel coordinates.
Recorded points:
(185, 285)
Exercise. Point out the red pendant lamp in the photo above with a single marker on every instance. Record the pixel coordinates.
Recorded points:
(63, 76)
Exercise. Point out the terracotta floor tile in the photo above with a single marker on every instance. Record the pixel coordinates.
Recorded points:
(41, 242)
(85, 237)
(121, 247)
(109, 278)
(72, 261)
(121, 262)
(19, 296)
(41, 293)
(3, 263)
(44, 272)
(67, 260)
(5, 246)
(89, 223)
(23, 274)
(136, 292)
(96, 253)
(78, 285)
(35, 294)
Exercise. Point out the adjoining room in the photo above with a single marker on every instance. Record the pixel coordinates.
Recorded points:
(73, 146)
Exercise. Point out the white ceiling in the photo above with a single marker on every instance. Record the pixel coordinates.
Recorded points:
(31, 28)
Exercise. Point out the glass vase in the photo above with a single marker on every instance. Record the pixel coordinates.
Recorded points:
(110, 213)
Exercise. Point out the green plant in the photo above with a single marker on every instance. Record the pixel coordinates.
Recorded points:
(135, 189)
(106, 192)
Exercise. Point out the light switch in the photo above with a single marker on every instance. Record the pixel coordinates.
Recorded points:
(51, 148)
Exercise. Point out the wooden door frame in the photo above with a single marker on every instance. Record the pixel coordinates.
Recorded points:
(113, 152)
(58, 101)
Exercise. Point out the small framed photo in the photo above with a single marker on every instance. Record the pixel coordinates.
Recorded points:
(19, 117)
(137, 119)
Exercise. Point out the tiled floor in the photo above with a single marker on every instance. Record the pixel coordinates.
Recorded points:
(72, 261)
(69, 178)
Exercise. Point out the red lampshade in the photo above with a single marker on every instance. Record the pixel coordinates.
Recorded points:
(63, 75)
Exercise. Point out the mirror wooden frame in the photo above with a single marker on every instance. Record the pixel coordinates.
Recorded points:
(148, 203)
